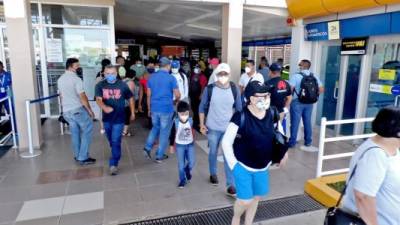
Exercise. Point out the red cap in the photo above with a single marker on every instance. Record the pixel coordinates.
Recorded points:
(214, 61)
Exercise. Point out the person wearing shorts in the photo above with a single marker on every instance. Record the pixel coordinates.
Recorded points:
(247, 146)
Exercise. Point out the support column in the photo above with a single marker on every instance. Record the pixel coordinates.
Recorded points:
(19, 35)
(300, 48)
(232, 27)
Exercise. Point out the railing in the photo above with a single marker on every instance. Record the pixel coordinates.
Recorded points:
(323, 139)
(32, 152)
(9, 117)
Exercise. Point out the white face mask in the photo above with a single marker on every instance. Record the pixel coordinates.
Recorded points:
(196, 71)
(263, 104)
(175, 70)
(184, 118)
(223, 79)
(156, 69)
(247, 69)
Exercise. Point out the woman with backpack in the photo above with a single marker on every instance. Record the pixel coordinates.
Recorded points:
(248, 150)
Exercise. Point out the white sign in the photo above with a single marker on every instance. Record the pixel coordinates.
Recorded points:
(54, 51)
(333, 30)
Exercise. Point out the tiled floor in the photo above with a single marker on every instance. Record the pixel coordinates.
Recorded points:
(52, 189)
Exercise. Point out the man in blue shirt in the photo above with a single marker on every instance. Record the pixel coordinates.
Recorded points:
(5, 87)
(161, 89)
(299, 110)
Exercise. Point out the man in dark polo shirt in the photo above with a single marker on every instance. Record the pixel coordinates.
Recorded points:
(281, 93)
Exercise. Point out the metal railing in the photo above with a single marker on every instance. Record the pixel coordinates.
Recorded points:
(34, 152)
(323, 139)
(9, 117)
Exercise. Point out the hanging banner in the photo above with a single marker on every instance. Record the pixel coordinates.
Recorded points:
(354, 46)
(334, 30)
(54, 51)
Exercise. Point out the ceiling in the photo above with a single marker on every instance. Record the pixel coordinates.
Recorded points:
(191, 21)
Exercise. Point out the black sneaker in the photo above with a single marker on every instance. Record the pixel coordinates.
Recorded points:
(181, 184)
(231, 191)
(160, 160)
(76, 160)
(214, 180)
(87, 161)
(146, 153)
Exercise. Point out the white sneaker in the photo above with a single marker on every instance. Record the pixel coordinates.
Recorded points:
(309, 148)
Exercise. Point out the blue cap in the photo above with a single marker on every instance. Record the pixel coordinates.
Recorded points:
(164, 61)
(275, 67)
(175, 64)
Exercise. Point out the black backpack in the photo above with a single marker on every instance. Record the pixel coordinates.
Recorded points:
(309, 90)
(209, 90)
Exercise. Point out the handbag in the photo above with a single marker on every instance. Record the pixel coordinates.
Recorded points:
(338, 216)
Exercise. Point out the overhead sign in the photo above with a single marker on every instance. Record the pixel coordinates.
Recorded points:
(354, 46)
(396, 90)
(316, 32)
(380, 88)
(334, 30)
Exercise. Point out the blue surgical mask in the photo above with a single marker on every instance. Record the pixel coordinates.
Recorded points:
(111, 78)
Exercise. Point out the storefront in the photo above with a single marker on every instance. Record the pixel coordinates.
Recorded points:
(61, 31)
(357, 83)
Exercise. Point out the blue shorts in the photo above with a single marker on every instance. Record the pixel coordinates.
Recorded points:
(250, 184)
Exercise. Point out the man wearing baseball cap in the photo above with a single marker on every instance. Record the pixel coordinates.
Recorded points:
(219, 101)
(213, 63)
(281, 93)
(161, 90)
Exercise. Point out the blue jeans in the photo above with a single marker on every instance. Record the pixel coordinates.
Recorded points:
(81, 127)
(300, 111)
(114, 136)
(186, 160)
(162, 123)
(214, 140)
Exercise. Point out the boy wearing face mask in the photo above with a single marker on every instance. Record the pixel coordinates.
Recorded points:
(250, 75)
(184, 140)
(111, 94)
(218, 103)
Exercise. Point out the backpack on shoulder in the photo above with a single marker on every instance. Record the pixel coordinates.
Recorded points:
(209, 90)
(309, 90)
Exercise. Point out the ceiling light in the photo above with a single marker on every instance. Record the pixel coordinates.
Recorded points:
(203, 27)
(169, 36)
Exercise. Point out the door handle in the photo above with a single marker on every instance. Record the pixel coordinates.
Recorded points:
(336, 92)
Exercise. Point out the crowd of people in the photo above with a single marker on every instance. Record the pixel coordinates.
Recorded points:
(180, 97)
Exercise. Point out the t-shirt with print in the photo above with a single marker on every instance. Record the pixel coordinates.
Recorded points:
(377, 175)
(184, 134)
(253, 144)
(114, 95)
(162, 85)
(280, 89)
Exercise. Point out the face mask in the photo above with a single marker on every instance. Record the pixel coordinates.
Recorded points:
(138, 64)
(79, 71)
(184, 118)
(196, 71)
(247, 69)
(223, 79)
(156, 69)
(150, 70)
(175, 70)
(263, 104)
(111, 78)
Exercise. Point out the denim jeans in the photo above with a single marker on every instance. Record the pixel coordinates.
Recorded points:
(186, 159)
(162, 123)
(300, 111)
(81, 127)
(214, 141)
(114, 136)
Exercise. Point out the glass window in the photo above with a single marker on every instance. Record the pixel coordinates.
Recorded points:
(385, 73)
(90, 46)
(75, 15)
(35, 13)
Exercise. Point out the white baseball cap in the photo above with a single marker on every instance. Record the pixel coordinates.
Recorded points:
(223, 67)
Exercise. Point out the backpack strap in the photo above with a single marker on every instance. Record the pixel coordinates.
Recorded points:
(234, 93)
(209, 90)
(242, 119)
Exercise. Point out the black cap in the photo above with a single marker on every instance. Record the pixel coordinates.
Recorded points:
(255, 87)
(275, 67)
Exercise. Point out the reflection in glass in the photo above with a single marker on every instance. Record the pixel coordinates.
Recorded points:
(75, 15)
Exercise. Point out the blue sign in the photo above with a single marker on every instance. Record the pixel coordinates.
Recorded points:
(395, 23)
(365, 26)
(269, 42)
(317, 32)
(396, 90)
